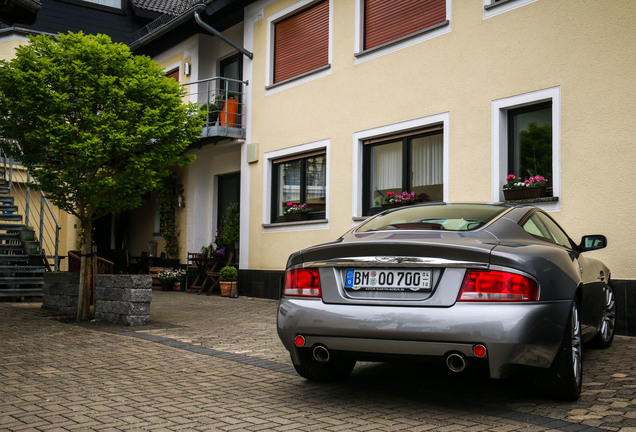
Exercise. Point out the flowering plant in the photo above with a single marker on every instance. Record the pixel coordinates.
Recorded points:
(291, 208)
(168, 274)
(397, 198)
(513, 182)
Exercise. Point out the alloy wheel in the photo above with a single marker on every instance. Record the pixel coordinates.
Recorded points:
(576, 344)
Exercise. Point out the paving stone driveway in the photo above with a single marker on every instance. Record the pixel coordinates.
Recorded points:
(212, 363)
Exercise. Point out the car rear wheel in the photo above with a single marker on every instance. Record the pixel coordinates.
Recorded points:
(336, 369)
(605, 335)
(564, 377)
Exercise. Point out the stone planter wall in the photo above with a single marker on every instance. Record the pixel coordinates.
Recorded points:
(60, 292)
(120, 299)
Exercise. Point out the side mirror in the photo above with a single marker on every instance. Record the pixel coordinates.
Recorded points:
(592, 242)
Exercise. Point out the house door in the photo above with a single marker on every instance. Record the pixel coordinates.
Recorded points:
(228, 192)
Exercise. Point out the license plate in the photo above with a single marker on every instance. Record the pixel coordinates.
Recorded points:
(388, 280)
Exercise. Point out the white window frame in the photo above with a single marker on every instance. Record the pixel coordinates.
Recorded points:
(358, 145)
(271, 87)
(361, 55)
(491, 9)
(299, 150)
(499, 132)
(114, 4)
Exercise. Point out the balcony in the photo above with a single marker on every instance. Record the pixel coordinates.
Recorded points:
(223, 99)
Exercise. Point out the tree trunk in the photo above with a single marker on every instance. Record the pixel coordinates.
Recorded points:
(87, 274)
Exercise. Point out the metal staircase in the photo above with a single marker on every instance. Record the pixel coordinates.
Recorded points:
(22, 259)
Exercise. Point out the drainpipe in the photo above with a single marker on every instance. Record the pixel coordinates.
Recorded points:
(220, 35)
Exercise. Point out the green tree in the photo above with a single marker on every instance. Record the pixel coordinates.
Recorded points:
(97, 126)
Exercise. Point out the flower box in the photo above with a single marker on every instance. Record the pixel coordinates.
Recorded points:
(294, 217)
(525, 193)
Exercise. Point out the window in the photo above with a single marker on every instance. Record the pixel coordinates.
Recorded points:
(412, 162)
(301, 42)
(100, 4)
(174, 74)
(544, 228)
(526, 140)
(386, 21)
(109, 3)
(299, 179)
(530, 141)
(495, 7)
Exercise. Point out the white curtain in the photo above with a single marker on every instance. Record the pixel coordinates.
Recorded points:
(387, 166)
(427, 159)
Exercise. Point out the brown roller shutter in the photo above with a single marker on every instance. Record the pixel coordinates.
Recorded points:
(174, 74)
(302, 42)
(385, 21)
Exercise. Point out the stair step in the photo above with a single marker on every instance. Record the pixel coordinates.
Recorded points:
(6, 217)
(17, 259)
(4, 190)
(21, 292)
(6, 199)
(10, 247)
(11, 228)
(21, 280)
(9, 208)
(6, 237)
(5, 270)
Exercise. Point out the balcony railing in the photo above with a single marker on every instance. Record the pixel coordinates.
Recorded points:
(223, 99)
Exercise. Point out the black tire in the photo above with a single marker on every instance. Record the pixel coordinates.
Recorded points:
(335, 370)
(605, 335)
(564, 378)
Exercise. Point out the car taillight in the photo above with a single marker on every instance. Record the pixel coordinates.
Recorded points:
(498, 286)
(302, 282)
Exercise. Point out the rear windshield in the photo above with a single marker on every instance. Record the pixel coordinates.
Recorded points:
(448, 217)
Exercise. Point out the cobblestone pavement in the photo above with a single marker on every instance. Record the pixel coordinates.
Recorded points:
(212, 363)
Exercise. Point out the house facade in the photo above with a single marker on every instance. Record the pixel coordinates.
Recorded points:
(351, 99)
(342, 101)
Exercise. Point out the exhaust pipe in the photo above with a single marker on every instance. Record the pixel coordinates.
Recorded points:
(456, 363)
(321, 354)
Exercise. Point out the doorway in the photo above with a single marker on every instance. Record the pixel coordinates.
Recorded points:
(229, 187)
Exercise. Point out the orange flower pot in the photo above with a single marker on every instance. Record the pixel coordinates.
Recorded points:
(229, 113)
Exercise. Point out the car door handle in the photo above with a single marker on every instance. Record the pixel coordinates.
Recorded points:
(601, 277)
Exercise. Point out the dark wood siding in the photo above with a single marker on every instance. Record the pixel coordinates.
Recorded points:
(302, 42)
(385, 21)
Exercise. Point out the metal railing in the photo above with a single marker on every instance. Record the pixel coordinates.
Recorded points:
(34, 207)
(223, 99)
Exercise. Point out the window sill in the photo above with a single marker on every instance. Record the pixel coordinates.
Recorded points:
(534, 200)
(495, 5)
(294, 224)
(398, 41)
(298, 77)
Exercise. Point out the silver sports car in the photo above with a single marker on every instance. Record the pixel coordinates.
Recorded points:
(499, 285)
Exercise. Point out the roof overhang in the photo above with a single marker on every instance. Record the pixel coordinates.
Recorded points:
(19, 11)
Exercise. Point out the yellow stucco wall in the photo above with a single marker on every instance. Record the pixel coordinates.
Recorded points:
(583, 47)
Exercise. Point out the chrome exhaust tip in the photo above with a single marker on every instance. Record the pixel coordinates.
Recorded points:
(456, 363)
(321, 354)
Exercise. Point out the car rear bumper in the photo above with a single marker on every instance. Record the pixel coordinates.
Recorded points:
(527, 334)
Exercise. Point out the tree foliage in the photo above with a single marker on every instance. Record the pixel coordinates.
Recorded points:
(97, 126)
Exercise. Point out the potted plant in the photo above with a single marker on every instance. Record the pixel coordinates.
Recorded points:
(227, 280)
(169, 278)
(296, 212)
(517, 188)
(392, 199)
(229, 110)
(230, 229)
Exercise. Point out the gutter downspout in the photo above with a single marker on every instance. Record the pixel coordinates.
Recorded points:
(220, 35)
(180, 20)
